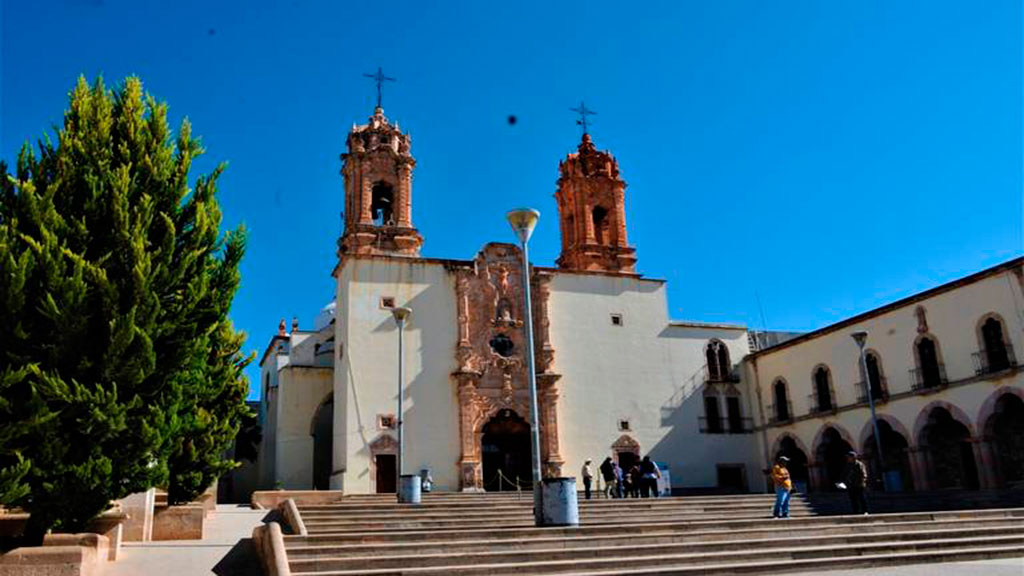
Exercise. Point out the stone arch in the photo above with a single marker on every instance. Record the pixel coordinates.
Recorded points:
(956, 411)
(799, 460)
(988, 407)
(843, 433)
(993, 356)
(880, 390)
(867, 430)
(716, 358)
(780, 401)
(626, 452)
(831, 444)
(321, 428)
(929, 371)
(823, 388)
(777, 444)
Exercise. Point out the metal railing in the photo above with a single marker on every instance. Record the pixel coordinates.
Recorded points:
(817, 408)
(716, 376)
(994, 360)
(921, 379)
(881, 395)
(726, 425)
(775, 418)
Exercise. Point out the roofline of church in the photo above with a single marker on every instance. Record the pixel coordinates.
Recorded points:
(717, 325)
(458, 263)
(1017, 262)
(273, 339)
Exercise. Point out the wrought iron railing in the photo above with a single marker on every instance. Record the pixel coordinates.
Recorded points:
(927, 379)
(726, 425)
(994, 360)
(881, 392)
(774, 417)
(817, 408)
(716, 376)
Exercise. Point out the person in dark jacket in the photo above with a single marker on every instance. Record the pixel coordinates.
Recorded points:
(649, 479)
(608, 475)
(855, 476)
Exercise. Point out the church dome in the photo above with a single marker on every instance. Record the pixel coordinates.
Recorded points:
(327, 313)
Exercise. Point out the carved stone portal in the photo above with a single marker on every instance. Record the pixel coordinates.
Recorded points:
(491, 373)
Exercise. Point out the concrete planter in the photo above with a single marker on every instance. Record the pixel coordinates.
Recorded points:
(179, 523)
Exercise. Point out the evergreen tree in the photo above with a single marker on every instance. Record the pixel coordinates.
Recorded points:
(115, 284)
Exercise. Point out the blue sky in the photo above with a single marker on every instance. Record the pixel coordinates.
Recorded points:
(826, 157)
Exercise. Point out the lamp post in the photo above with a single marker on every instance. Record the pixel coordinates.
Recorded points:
(523, 221)
(401, 314)
(861, 338)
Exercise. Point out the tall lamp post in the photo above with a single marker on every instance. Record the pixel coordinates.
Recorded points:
(401, 314)
(861, 338)
(523, 221)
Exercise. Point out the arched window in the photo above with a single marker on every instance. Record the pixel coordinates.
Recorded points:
(781, 396)
(874, 376)
(823, 389)
(600, 218)
(929, 372)
(734, 415)
(995, 354)
(382, 204)
(717, 357)
(712, 416)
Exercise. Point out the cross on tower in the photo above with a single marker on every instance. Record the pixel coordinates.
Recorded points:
(380, 78)
(583, 111)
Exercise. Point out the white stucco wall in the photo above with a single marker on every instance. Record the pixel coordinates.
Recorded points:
(645, 371)
(301, 391)
(366, 375)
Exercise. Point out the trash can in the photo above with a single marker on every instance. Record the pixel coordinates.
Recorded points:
(559, 503)
(409, 489)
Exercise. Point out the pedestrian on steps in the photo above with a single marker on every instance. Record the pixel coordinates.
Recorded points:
(783, 487)
(588, 476)
(617, 472)
(608, 474)
(649, 479)
(855, 476)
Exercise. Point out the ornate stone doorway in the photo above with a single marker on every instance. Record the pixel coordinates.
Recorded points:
(505, 448)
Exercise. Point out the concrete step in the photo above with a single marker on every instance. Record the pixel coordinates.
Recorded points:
(488, 513)
(625, 547)
(614, 505)
(580, 561)
(325, 547)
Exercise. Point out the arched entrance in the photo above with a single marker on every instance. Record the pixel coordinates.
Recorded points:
(505, 447)
(947, 444)
(322, 430)
(831, 456)
(797, 465)
(1005, 429)
(894, 450)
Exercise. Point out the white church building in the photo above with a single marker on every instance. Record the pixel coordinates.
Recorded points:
(616, 376)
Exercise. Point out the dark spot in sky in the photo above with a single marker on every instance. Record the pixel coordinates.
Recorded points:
(211, 32)
(512, 119)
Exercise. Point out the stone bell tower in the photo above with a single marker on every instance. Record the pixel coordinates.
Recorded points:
(592, 214)
(378, 191)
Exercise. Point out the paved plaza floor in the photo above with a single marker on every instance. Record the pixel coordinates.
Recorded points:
(226, 549)
(1004, 567)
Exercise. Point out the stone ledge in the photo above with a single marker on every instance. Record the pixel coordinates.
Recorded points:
(269, 499)
(269, 542)
(60, 555)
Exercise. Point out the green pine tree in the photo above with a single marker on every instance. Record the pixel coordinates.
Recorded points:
(115, 283)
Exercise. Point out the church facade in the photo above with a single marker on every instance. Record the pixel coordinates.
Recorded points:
(616, 376)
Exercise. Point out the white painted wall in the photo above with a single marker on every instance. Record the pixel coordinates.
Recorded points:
(301, 392)
(646, 371)
(366, 376)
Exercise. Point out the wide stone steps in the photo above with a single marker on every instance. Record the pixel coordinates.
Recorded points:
(471, 534)
(325, 547)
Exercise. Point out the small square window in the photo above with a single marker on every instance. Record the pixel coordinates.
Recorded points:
(387, 301)
(616, 319)
(386, 421)
(623, 425)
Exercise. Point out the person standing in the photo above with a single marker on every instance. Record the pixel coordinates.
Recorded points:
(588, 476)
(856, 478)
(608, 475)
(649, 477)
(783, 487)
(617, 473)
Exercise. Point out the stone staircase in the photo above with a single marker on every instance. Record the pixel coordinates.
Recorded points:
(462, 534)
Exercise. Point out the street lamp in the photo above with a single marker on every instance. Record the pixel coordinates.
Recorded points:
(861, 338)
(401, 314)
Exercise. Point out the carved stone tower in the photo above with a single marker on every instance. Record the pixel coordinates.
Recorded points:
(378, 191)
(592, 215)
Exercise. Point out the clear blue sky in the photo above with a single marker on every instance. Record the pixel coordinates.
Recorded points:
(828, 156)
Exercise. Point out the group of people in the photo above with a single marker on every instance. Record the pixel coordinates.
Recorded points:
(640, 481)
(855, 479)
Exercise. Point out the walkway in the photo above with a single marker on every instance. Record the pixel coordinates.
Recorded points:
(1004, 567)
(225, 549)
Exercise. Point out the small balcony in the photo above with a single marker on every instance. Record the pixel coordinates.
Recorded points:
(726, 425)
(881, 396)
(994, 360)
(928, 378)
(775, 417)
(817, 408)
(714, 375)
